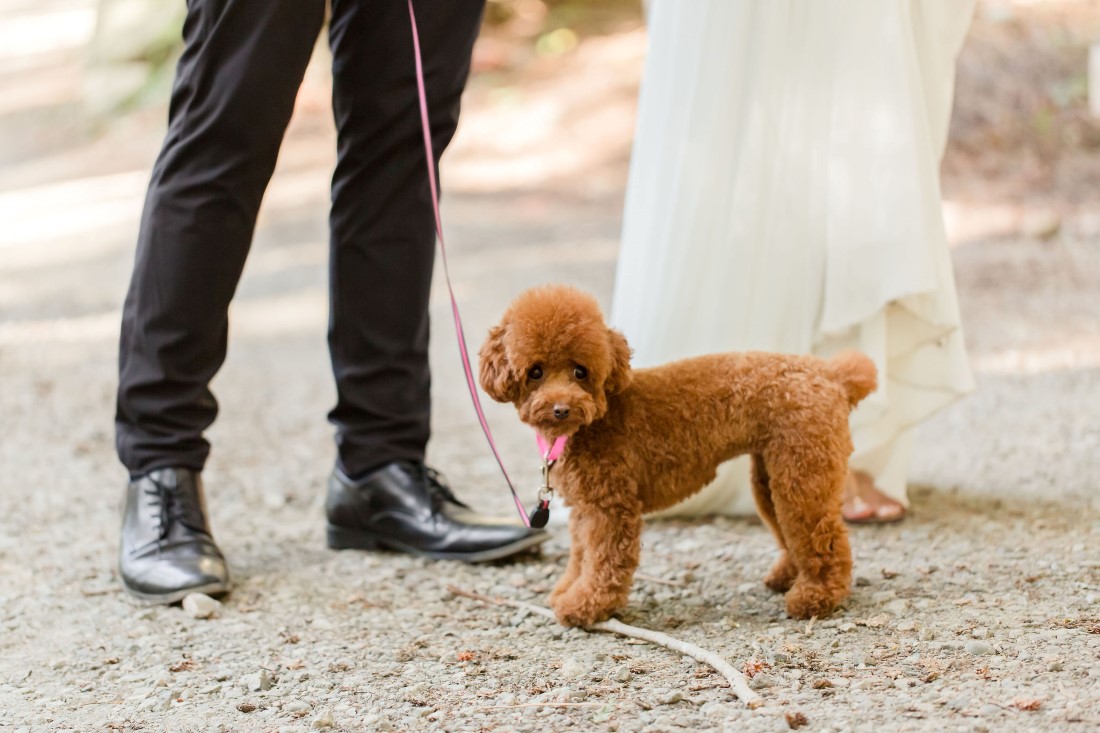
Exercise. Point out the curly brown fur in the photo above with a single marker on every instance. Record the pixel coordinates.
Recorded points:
(644, 440)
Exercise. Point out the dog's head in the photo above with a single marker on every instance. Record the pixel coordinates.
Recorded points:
(553, 357)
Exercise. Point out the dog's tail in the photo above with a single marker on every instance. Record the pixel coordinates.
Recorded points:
(855, 372)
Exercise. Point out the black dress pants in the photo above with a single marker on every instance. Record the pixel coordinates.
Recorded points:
(234, 91)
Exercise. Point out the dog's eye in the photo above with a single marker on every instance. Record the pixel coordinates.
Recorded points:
(580, 372)
(535, 373)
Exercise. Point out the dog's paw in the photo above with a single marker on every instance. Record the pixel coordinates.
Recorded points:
(579, 609)
(806, 600)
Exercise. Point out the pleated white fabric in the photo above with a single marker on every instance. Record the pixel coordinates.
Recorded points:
(784, 196)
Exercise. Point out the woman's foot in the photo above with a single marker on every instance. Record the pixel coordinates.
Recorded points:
(865, 504)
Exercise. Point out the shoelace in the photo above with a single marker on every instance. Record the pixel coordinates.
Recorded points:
(170, 505)
(436, 484)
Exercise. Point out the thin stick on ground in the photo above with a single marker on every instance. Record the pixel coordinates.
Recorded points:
(655, 579)
(541, 705)
(738, 682)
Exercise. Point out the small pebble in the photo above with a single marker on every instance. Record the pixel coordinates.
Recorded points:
(760, 680)
(258, 682)
(297, 706)
(200, 605)
(979, 648)
(622, 674)
(164, 701)
(670, 698)
(572, 669)
(568, 694)
(274, 500)
(861, 657)
(324, 720)
(715, 709)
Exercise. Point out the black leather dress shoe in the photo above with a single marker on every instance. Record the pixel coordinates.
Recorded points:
(167, 550)
(404, 506)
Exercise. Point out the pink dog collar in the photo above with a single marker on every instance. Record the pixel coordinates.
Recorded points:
(551, 453)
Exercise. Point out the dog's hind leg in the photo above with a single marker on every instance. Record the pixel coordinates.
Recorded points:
(806, 491)
(784, 572)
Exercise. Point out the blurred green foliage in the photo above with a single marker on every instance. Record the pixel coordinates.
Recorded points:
(583, 17)
(554, 27)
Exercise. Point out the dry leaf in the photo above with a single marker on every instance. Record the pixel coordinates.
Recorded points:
(753, 667)
(796, 720)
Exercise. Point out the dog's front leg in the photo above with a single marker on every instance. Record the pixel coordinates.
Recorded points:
(576, 557)
(606, 547)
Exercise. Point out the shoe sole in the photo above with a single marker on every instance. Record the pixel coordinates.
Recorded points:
(341, 538)
(167, 599)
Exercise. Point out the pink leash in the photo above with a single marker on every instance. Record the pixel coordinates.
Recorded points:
(549, 453)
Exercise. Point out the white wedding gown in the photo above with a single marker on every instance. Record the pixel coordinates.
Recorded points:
(784, 196)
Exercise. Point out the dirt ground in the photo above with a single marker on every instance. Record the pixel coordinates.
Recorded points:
(981, 612)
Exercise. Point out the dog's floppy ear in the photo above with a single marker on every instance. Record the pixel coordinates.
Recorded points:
(497, 378)
(620, 376)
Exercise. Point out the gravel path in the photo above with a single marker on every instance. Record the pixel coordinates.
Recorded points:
(979, 613)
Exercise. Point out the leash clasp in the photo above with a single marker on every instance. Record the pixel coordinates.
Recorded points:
(541, 514)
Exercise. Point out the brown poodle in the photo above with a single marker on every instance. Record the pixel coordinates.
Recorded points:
(644, 440)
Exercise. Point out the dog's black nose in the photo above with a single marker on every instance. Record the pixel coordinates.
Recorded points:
(561, 411)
